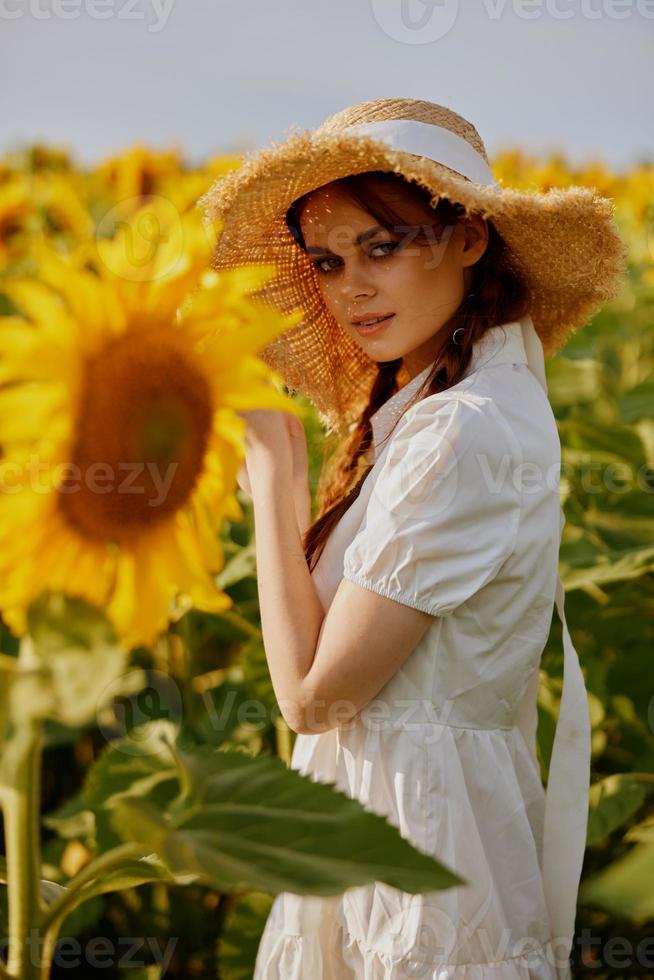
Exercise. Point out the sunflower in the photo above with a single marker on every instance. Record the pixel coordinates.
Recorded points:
(42, 205)
(136, 175)
(15, 205)
(121, 383)
(62, 207)
(139, 171)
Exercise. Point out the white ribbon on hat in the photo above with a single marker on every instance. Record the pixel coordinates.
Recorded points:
(429, 140)
(566, 805)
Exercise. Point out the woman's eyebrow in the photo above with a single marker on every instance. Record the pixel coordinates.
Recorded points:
(316, 249)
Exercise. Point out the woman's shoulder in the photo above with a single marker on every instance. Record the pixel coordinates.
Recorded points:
(467, 415)
(444, 511)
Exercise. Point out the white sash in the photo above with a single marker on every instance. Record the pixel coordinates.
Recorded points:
(566, 807)
(428, 140)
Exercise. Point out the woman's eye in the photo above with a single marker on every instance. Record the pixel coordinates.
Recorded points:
(319, 264)
(389, 246)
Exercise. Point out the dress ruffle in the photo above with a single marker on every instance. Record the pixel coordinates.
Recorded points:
(473, 799)
(285, 957)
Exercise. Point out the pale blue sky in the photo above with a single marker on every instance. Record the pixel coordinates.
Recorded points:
(221, 75)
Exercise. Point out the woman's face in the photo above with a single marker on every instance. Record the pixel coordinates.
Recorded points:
(365, 270)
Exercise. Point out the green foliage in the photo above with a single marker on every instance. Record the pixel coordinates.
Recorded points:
(203, 814)
(234, 822)
(158, 808)
(601, 391)
(239, 942)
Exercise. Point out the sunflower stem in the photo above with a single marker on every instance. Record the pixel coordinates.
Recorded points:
(161, 653)
(283, 740)
(241, 623)
(52, 919)
(182, 658)
(21, 800)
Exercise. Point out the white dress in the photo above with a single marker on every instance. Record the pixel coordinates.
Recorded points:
(460, 516)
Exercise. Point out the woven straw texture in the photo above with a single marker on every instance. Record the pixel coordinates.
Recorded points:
(564, 243)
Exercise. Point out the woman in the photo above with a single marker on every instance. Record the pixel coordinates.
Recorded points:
(404, 626)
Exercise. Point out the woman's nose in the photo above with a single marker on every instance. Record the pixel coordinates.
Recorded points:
(356, 283)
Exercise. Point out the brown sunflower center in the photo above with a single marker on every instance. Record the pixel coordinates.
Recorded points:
(143, 430)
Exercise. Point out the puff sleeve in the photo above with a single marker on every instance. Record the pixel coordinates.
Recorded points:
(444, 510)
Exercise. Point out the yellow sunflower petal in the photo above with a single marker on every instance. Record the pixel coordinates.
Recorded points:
(226, 293)
(250, 339)
(28, 406)
(93, 306)
(27, 354)
(23, 513)
(41, 305)
(231, 427)
(15, 619)
(142, 596)
(121, 606)
(265, 398)
(207, 532)
(85, 569)
(192, 578)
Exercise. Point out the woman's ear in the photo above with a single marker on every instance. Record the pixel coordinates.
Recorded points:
(475, 229)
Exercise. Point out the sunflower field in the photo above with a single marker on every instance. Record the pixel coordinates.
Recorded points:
(149, 814)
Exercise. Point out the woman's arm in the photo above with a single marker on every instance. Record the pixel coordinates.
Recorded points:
(436, 531)
(324, 667)
(290, 609)
(301, 498)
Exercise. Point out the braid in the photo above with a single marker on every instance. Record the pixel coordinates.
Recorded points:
(351, 464)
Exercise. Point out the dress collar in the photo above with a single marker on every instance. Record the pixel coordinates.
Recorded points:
(502, 344)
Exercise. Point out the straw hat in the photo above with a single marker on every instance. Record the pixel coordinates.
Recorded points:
(564, 243)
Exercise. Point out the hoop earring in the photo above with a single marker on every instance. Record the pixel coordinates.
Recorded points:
(454, 340)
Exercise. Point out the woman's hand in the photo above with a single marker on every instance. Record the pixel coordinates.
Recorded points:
(243, 479)
(278, 436)
(267, 438)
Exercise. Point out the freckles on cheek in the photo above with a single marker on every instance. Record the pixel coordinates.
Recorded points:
(321, 287)
(332, 301)
(399, 284)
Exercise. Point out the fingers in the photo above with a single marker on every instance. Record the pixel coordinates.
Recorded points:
(243, 479)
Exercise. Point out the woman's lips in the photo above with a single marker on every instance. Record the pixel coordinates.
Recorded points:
(374, 328)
